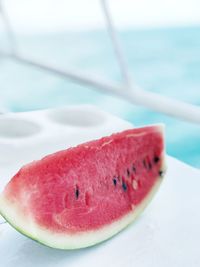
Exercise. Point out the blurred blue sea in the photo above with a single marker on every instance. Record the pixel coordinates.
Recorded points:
(166, 61)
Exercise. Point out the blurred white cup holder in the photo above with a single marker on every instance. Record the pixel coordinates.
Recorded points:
(17, 128)
(78, 117)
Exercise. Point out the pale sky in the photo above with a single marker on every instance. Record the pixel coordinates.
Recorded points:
(53, 15)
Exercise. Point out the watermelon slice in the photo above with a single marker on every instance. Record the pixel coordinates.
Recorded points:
(83, 195)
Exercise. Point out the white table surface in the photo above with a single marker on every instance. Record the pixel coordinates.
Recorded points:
(166, 234)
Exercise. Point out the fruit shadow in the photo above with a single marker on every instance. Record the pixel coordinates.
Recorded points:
(34, 254)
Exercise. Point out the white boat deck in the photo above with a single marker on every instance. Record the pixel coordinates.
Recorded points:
(166, 234)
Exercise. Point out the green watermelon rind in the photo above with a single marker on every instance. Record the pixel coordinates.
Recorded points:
(71, 241)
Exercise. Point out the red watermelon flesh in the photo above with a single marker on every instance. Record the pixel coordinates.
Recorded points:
(85, 194)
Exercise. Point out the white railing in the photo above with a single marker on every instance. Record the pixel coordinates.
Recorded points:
(128, 90)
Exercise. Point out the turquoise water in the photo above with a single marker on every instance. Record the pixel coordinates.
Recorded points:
(166, 61)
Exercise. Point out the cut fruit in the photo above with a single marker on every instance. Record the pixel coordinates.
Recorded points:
(84, 195)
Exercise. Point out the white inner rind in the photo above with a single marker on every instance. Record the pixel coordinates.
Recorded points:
(26, 225)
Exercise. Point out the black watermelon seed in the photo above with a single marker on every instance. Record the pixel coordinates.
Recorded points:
(77, 193)
(128, 172)
(114, 181)
(161, 173)
(124, 186)
(156, 159)
(133, 168)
